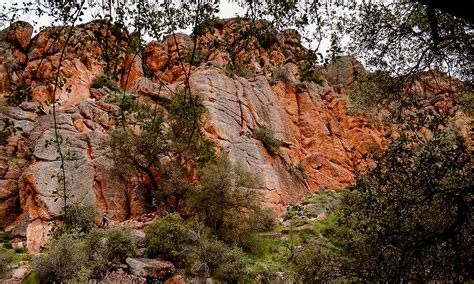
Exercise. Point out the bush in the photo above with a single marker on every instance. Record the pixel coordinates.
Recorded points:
(20, 250)
(267, 137)
(102, 81)
(199, 56)
(409, 216)
(215, 258)
(170, 237)
(282, 73)
(266, 37)
(79, 219)
(5, 236)
(289, 214)
(108, 248)
(265, 218)
(7, 244)
(225, 202)
(315, 263)
(5, 259)
(269, 272)
(66, 257)
(19, 92)
(239, 70)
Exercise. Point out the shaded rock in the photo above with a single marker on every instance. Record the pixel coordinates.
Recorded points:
(120, 276)
(149, 88)
(150, 268)
(20, 34)
(18, 275)
(139, 237)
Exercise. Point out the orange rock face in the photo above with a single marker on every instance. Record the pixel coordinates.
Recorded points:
(256, 86)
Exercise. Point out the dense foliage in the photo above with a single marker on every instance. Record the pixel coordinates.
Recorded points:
(409, 217)
(79, 259)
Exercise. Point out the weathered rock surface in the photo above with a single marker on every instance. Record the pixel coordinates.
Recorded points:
(35, 187)
(14, 41)
(321, 141)
(316, 131)
(18, 275)
(150, 268)
(122, 277)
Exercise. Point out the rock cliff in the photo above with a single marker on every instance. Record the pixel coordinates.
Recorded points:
(321, 140)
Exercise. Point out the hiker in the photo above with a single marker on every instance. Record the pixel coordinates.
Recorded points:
(105, 221)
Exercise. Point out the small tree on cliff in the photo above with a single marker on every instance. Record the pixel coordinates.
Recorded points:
(225, 201)
(158, 148)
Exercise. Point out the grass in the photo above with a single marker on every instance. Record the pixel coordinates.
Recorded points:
(31, 279)
(299, 223)
(17, 257)
(323, 225)
(269, 248)
(280, 228)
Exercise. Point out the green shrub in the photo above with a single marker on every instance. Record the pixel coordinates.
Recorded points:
(265, 218)
(199, 56)
(7, 244)
(19, 92)
(107, 248)
(281, 73)
(239, 70)
(324, 225)
(268, 272)
(215, 258)
(370, 93)
(8, 129)
(20, 250)
(5, 236)
(289, 214)
(267, 137)
(79, 219)
(62, 261)
(5, 259)
(404, 210)
(299, 223)
(102, 81)
(225, 202)
(32, 278)
(170, 237)
(266, 37)
(315, 263)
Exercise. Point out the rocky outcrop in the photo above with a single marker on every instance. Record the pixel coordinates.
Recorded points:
(14, 42)
(320, 139)
(152, 269)
(322, 143)
(34, 187)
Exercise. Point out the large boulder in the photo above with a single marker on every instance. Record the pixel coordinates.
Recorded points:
(150, 268)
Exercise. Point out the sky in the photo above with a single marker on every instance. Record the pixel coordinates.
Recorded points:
(227, 9)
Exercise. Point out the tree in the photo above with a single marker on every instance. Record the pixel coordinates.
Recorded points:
(224, 200)
(409, 217)
(140, 149)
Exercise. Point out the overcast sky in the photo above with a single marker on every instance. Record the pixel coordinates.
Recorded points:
(226, 10)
